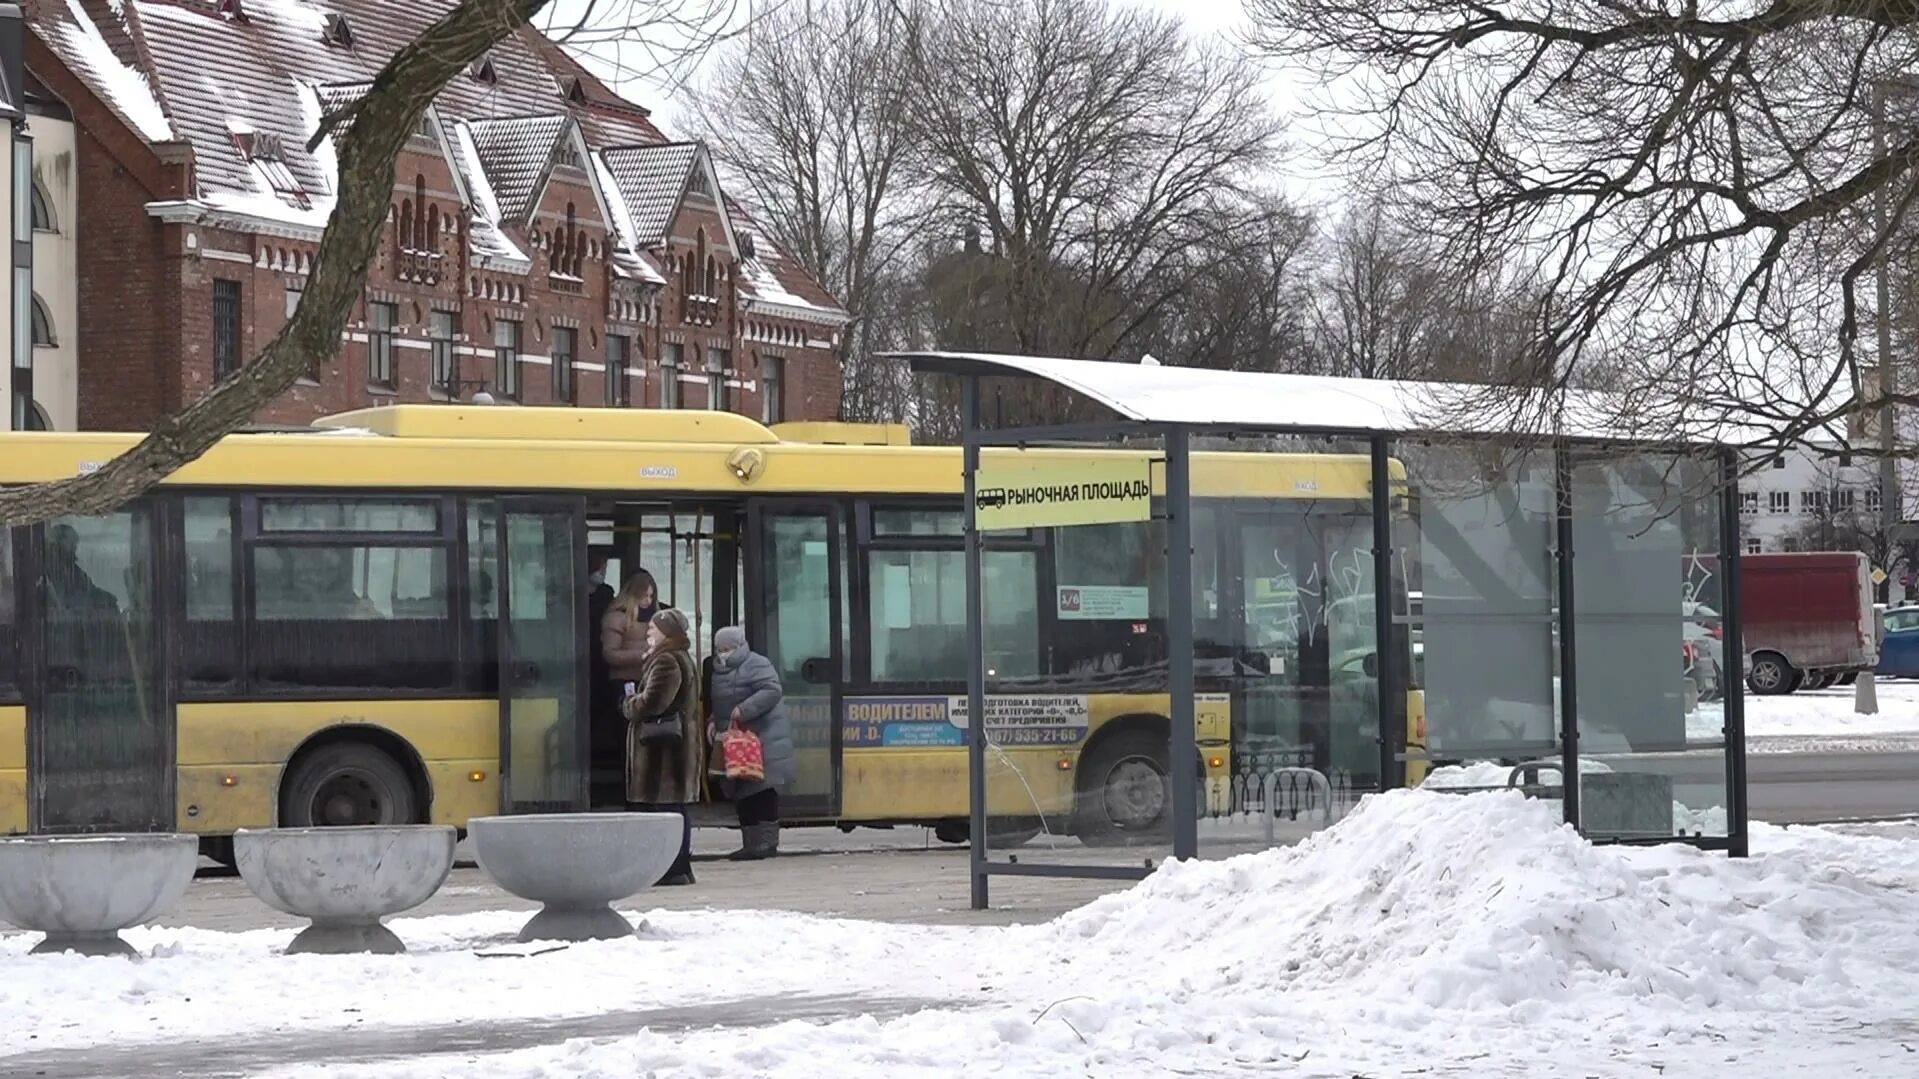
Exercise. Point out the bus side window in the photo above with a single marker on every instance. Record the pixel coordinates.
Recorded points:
(210, 639)
(1110, 582)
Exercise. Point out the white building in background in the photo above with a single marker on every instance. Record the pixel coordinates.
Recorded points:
(16, 170)
(1788, 495)
(55, 302)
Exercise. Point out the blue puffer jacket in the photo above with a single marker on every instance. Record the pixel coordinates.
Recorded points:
(746, 680)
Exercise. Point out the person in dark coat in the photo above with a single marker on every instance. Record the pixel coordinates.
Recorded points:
(606, 742)
(747, 696)
(662, 777)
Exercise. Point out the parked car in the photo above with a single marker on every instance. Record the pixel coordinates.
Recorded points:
(1703, 651)
(1807, 619)
(1899, 648)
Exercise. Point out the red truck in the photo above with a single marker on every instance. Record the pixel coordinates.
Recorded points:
(1806, 619)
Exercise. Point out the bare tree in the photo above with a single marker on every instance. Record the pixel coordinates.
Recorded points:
(370, 133)
(809, 113)
(1092, 146)
(1710, 188)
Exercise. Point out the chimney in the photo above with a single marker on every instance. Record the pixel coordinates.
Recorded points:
(13, 48)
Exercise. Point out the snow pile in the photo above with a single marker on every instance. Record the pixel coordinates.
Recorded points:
(1421, 904)
(1470, 935)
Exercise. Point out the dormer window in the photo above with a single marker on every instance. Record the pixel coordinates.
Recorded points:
(696, 183)
(482, 71)
(574, 90)
(231, 10)
(336, 32)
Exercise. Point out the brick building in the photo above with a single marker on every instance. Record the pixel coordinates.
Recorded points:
(546, 242)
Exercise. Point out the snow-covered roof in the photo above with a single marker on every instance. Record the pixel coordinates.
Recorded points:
(515, 152)
(772, 282)
(1256, 400)
(246, 94)
(651, 181)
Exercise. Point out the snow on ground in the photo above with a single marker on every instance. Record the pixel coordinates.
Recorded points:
(1473, 935)
(1816, 713)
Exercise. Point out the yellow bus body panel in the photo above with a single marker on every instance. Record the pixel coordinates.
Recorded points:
(13, 769)
(250, 743)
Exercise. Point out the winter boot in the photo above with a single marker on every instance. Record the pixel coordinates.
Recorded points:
(757, 842)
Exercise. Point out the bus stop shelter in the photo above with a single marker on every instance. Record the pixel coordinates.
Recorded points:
(1330, 587)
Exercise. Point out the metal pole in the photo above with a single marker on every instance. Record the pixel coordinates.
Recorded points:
(1179, 616)
(1732, 678)
(975, 649)
(1890, 508)
(1568, 651)
(1386, 682)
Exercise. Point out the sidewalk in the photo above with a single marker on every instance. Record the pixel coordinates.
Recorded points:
(879, 876)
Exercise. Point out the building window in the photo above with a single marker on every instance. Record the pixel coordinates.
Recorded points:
(442, 330)
(1789, 545)
(226, 327)
(23, 189)
(617, 348)
(1749, 502)
(506, 358)
(42, 210)
(1753, 546)
(1845, 459)
(1779, 502)
(42, 326)
(381, 318)
(1872, 500)
(1812, 501)
(717, 397)
(1845, 500)
(772, 389)
(566, 345)
(672, 355)
(1779, 462)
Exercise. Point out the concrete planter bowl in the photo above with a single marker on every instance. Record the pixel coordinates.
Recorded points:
(577, 864)
(82, 890)
(345, 879)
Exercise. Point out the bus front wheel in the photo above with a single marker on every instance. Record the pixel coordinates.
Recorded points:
(346, 783)
(1124, 789)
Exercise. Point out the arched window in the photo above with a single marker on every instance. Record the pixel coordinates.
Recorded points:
(42, 210)
(433, 228)
(37, 419)
(419, 221)
(42, 326)
(406, 223)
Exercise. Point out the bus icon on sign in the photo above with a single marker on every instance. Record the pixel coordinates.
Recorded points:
(990, 498)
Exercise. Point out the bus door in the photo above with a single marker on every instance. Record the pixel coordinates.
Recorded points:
(543, 662)
(796, 615)
(100, 739)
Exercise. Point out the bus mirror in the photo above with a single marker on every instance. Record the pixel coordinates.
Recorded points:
(1370, 665)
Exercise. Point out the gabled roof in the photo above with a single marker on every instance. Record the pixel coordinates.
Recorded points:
(774, 282)
(651, 180)
(177, 71)
(515, 153)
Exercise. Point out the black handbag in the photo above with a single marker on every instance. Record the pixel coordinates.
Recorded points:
(658, 731)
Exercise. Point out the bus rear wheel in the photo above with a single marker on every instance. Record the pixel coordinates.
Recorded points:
(1124, 790)
(346, 783)
(1002, 833)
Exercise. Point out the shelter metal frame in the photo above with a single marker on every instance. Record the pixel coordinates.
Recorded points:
(1175, 440)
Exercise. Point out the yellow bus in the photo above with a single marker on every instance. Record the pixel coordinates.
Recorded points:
(385, 619)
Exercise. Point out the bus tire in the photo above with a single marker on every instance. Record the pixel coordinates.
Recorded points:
(346, 783)
(1770, 675)
(1002, 833)
(1123, 790)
